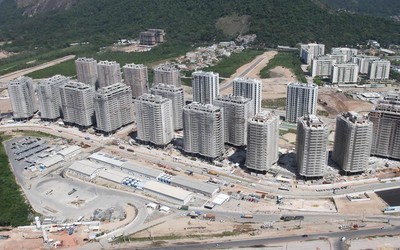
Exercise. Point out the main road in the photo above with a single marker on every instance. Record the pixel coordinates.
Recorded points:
(264, 241)
(11, 76)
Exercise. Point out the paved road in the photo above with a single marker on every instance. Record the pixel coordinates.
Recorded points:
(8, 77)
(274, 240)
(253, 64)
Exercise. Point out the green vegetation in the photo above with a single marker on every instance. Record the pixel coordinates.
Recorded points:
(228, 65)
(381, 7)
(34, 133)
(317, 80)
(287, 60)
(14, 210)
(283, 132)
(66, 68)
(322, 112)
(274, 103)
(394, 75)
(175, 237)
(102, 22)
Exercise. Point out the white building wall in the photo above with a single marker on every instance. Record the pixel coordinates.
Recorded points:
(249, 88)
(205, 86)
(136, 76)
(22, 97)
(262, 141)
(301, 100)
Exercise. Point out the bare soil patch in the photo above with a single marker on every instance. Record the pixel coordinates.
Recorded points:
(233, 25)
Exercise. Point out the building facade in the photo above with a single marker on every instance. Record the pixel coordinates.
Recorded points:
(311, 146)
(348, 52)
(136, 76)
(301, 100)
(344, 73)
(49, 97)
(22, 98)
(353, 138)
(205, 86)
(203, 130)
(77, 103)
(86, 70)
(249, 88)
(386, 127)
(363, 62)
(167, 74)
(310, 51)
(237, 111)
(379, 70)
(109, 73)
(262, 141)
(322, 66)
(113, 107)
(176, 95)
(154, 117)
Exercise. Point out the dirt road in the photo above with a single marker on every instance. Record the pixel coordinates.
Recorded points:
(8, 77)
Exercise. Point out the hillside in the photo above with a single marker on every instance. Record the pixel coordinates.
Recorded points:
(378, 7)
(276, 22)
(32, 7)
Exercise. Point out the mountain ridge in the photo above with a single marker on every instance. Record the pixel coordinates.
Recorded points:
(275, 22)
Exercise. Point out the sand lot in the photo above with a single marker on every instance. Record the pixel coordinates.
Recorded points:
(373, 206)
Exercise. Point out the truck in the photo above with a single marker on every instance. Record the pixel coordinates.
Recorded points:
(210, 217)
(183, 207)
(247, 216)
(213, 172)
(291, 217)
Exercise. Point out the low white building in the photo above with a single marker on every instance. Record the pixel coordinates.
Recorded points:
(168, 193)
(70, 152)
(85, 169)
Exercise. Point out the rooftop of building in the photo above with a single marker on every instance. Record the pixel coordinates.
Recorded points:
(247, 80)
(107, 63)
(264, 116)
(346, 64)
(54, 79)
(111, 160)
(167, 87)
(312, 121)
(134, 66)
(202, 107)
(167, 190)
(152, 98)
(205, 73)
(84, 59)
(303, 85)
(167, 67)
(77, 85)
(355, 118)
(20, 80)
(233, 99)
(114, 88)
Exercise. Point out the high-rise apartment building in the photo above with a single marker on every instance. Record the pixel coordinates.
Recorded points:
(363, 62)
(113, 107)
(322, 66)
(167, 74)
(344, 73)
(203, 130)
(49, 97)
(154, 117)
(86, 70)
(249, 88)
(262, 141)
(237, 111)
(353, 137)
(310, 51)
(386, 127)
(176, 95)
(205, 86)
(301, 100)
(339, 58)
(311, 146)
(77, 103)
(136, 76)
(348, 52)
(109, 73)
(22, 97)
(379, 70)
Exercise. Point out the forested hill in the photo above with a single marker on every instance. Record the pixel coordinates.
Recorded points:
(376, 7)
(276, 22)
